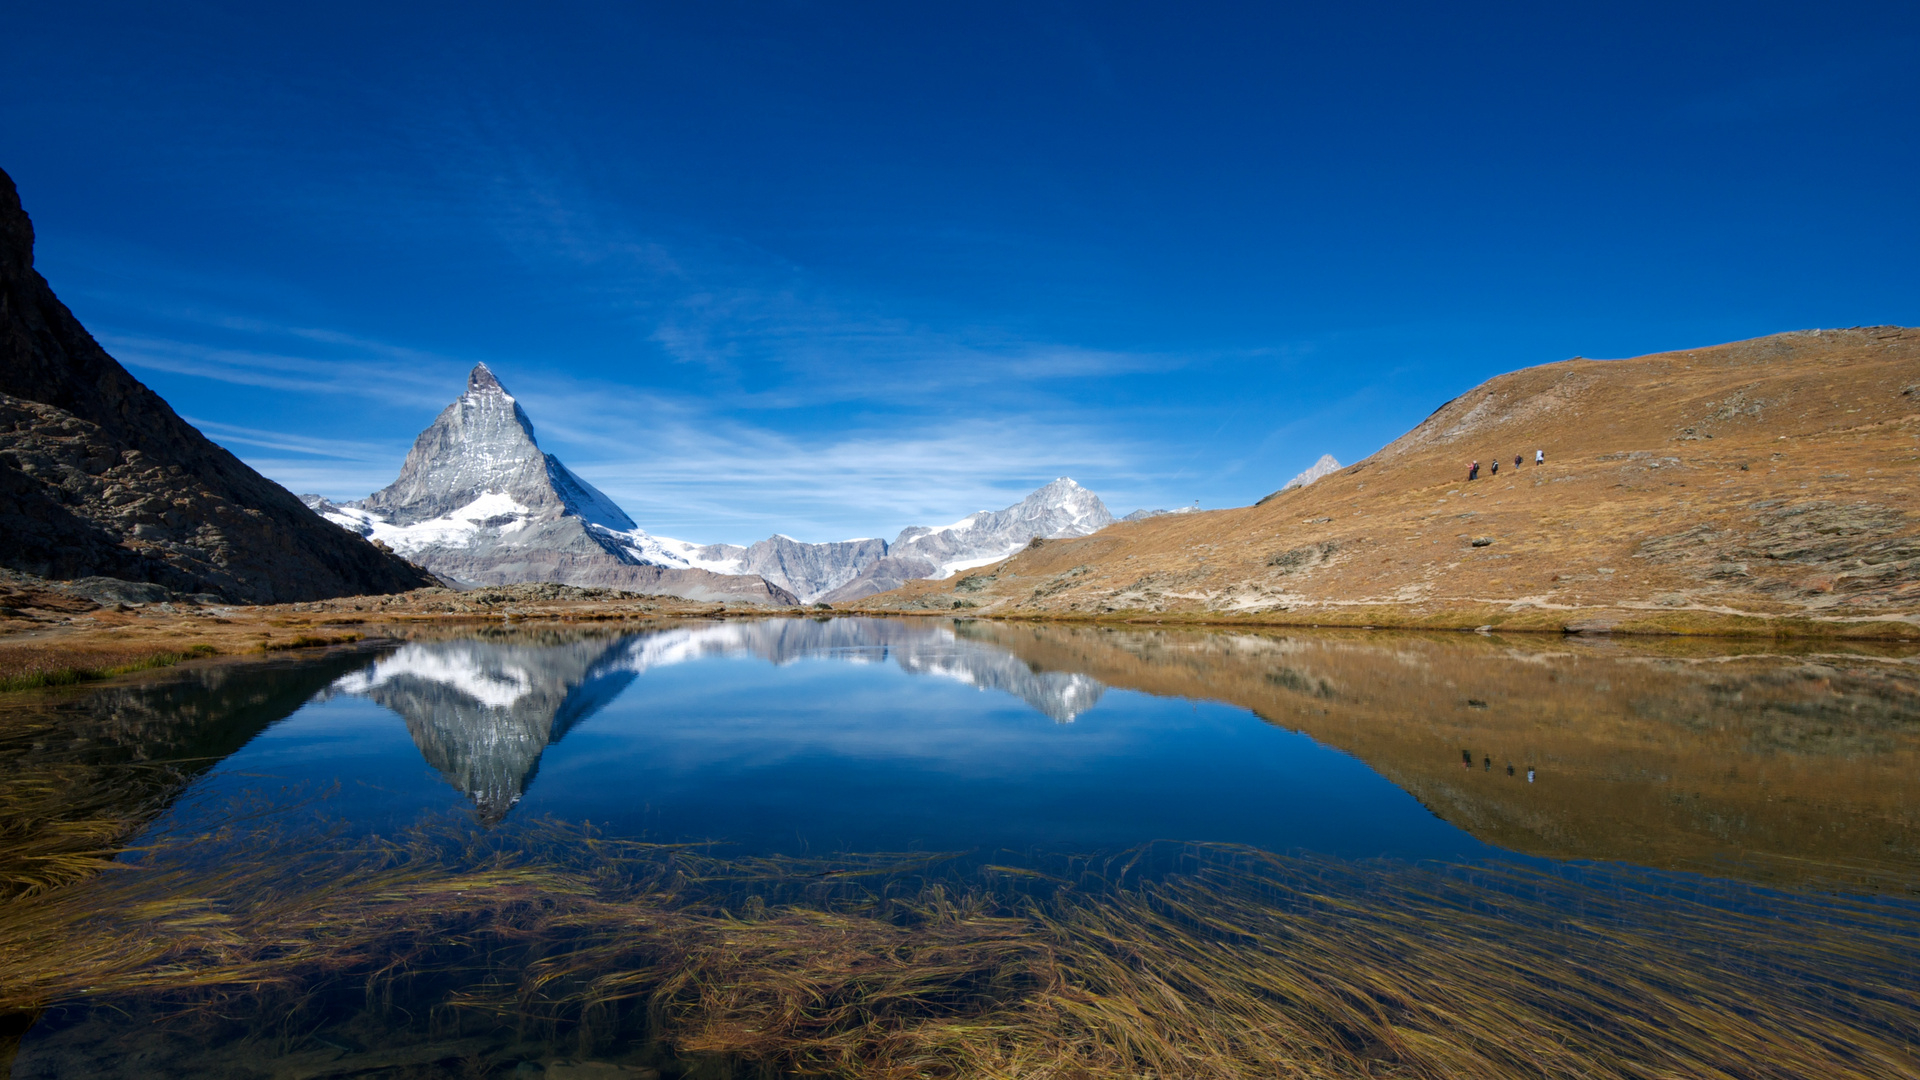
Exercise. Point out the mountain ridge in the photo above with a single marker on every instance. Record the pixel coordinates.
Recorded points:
(99, 477)
(480, 503)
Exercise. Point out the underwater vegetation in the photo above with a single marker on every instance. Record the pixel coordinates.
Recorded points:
(1165, 961)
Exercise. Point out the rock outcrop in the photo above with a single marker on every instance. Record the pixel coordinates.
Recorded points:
(100, 478)
(1326, 466)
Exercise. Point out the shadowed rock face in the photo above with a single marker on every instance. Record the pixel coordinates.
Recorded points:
(811, 570)
(99, 477)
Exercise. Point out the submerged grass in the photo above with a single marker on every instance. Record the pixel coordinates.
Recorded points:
(28, 669)
(1219, 962)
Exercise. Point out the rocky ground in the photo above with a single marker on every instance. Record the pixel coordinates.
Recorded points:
(1760, 487)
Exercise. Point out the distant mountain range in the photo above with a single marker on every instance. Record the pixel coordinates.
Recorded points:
(479, 503)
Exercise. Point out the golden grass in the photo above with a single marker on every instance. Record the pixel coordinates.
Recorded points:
(311, 641)
(35, 669)
(1221, 962)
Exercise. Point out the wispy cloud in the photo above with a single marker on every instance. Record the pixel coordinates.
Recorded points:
(420, 381)
(676, 463)
(329, 449)
(337, 468)
(931, 420)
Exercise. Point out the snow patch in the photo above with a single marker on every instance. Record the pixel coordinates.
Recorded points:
(494, 510)
(492, 685)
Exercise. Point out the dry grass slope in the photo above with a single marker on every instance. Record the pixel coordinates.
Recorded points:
(1762, 487)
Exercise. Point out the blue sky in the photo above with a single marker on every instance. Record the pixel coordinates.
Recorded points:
(834, 269)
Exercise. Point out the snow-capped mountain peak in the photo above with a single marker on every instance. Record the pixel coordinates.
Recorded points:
(478, 501)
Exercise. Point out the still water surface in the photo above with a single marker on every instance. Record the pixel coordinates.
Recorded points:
(1533, 798)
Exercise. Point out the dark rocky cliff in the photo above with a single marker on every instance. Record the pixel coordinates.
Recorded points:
(99, 477)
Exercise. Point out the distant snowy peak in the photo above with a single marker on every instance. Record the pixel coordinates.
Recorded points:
(1059, 509)
(1144, 514)
(1326, 466)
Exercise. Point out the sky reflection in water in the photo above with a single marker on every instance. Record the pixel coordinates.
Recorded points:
(802, 735)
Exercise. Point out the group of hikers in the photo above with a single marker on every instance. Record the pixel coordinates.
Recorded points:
(1473, 468)
(1466, 762)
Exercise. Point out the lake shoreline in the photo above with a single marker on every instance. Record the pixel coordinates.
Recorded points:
(121, 638)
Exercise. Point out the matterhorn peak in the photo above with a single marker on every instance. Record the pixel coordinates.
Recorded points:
(479, 460)
(481, 380)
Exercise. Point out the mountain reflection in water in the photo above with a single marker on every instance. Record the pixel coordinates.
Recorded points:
(1724, 756)
(483, 711)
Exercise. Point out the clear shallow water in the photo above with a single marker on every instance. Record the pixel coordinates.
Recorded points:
(1733, 827)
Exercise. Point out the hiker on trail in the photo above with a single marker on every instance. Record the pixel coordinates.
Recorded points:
(1473, 471)
(1516, 461)
(1539, 457)
(1496, 467)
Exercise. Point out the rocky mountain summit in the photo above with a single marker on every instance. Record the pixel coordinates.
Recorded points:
(478, 502)
(1059, 510)
(100, 479)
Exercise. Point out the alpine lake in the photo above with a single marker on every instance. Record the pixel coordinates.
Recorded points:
(951, 848)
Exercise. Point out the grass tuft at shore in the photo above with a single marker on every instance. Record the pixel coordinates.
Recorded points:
(29, 669)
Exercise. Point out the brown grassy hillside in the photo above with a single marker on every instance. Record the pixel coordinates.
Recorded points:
(1766, 484)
